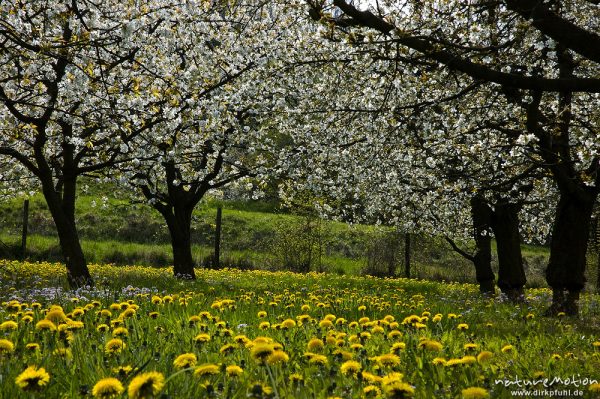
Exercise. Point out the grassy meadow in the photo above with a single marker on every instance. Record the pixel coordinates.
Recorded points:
(255, 235)
(260, 334)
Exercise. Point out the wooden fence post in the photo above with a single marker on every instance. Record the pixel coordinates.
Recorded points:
(217, 254)
(24, 231)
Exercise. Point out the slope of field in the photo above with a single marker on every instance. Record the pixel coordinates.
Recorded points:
(260, 334)
(255, 235)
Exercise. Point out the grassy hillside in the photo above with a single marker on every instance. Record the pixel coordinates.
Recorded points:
(255, 235)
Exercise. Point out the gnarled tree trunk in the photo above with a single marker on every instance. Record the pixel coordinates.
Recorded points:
(63, 214)
(179, 221)
(568, 248)
(511, 275)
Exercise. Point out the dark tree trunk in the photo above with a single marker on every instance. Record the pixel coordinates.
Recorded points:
(568, 247)
(179, 221)
(63, 214)
(570, 234)
(511, 275)
(481, 215)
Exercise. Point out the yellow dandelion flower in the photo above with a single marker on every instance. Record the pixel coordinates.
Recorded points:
(278, 357)
(468, 359)
(595, 387)
(484, 356)
(453, 362)
(32, 379)
(120, 332)
(56, 315)
(107, 388)
(262, 340)
(234, 371)
(555, 356)
(122, 371)
(261, 351)
(320, 360)
(315, 345)
(388, 360)
(438, 361)
(102, 328)
(202, 338)
(265, 325)
(430, 345)
(153, 315)
(146, 385)
(227, 349)
(9, 326)
(45, 325)
(326, 323)
(470, 346)
(130, 312)
(33, 347)
(391, 377)
(462, 327)
(356, 347)
(6, 346)
(157, 300)
(206, 369)
(507, 348)
(288, 323)
(452, 316)
(371, 378)
(115, 345)
(344, 355)
(331, 340)
(241, 339)
(394, 334)
(398, 389)
(397, 347)
(296, 378)
(371, 391)
(350, 368)
(377, 330)
(475, 393)
(185, 361)
(262, 314)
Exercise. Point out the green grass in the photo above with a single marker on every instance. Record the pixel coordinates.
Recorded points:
(369, 319)
(255, 234)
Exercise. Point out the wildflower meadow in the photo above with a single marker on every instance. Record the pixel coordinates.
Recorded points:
(140, 333)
